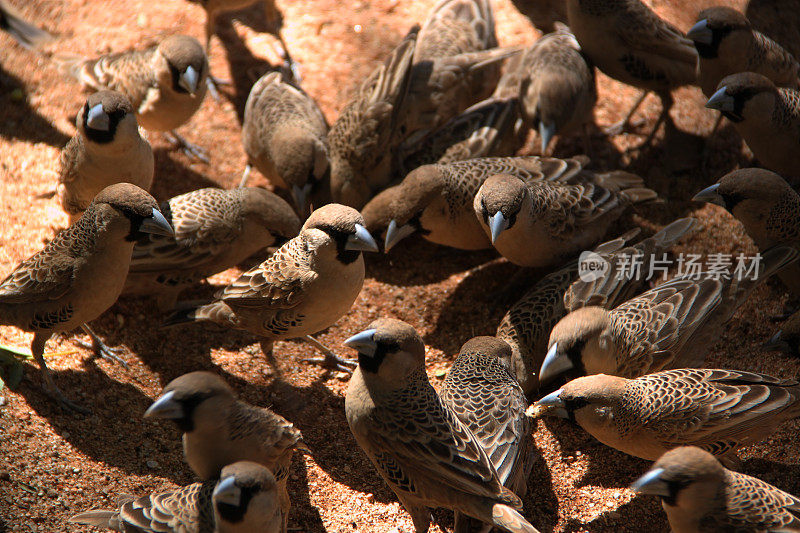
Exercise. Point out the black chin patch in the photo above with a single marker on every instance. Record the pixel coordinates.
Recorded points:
(100, 136)
(234, 514)
(344, 255)
(371, 364)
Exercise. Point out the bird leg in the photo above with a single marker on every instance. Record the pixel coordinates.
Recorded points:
(212, 82)
(331, 360)
(274, 20)
(191, 150)
(663, 118)
(100, 348)
(50, 388)
(624, 124)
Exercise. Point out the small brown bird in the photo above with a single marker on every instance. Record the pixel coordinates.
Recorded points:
(778, 20)
(215, 230)
(304, 287)
(285, 136)
(165, 83)
(107, 149)
(767, 207)
(364, 137)
(716, 410)
(481, 390)
(699, 494)
(25, 33)
(670, 326)
(727, 44)
(544, 223)
(787, 339)
(455, 27)
(219, 430)
(543, 14)
(767, 117)
(418, 445)
(80, 273)
(627, 41)
(435, 201)
(558, 93)
(244, 500)
(527, 324)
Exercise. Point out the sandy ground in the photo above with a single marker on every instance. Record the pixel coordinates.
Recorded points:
(55, 464)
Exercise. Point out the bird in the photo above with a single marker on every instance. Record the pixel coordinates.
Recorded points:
(417, 444)
(669, 326)
(527, 324)
(716, 410)
(699, 494)
(778, 20)
(25, 33)
(165, 83)
(558, 93)
(243, 500)
(79, 274)
(106, 149)
(455, 27)
(767, 117)
(304, 287)
(218, 429)
(728, 44)
(544, 223)
(364, 136)
(285, 137)
(215, 229)
(543, 14)
(787, 339)
(627, 41)
(767, 207)
(480, 388)
(435, 201)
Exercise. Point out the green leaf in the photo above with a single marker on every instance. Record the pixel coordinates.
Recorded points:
(11, 366)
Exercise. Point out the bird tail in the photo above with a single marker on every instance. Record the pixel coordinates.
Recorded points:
(99, 518)
(217, 312)
(631, 186)
(71, 65)
(772, 261)
(25, 33)
(673, 232)
(510, 520)
(477, 13)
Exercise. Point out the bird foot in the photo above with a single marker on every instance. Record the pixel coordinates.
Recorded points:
(192, 151)
(213, 83)
(623, 126)
(103, 350)
(55, 393)
(334, 362)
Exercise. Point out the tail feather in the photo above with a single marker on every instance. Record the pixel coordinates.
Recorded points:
(183, 314)
(24, 32)
(99, 518)
(673, 232)
(510, 520)
(71, 65)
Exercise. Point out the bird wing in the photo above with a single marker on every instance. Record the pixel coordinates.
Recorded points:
(454, 27)
(752, 502)
(187, 509)
(646, 33)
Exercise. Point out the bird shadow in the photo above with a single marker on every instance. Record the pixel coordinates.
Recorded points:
(401, 266)
(21, 121)
(626, 518)
(540, 501)
(173, 177)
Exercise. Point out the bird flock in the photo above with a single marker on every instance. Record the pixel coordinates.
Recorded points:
(426, 146)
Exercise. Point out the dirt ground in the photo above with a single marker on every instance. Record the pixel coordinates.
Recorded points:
(55, 464)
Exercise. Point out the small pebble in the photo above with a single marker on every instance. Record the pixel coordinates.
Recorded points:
(152, 464)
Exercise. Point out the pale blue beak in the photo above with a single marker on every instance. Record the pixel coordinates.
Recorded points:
(554, 404)
(226, 491)
(700, 33)
(165, 407)
(97, 119)
(363, 342)
(546, 133)
(710, 195)
(721, 101)
(497, 224)
(651, 483)
(361, 240)
(157, 225)
(555, 363)
(395, 234)
(189, 79)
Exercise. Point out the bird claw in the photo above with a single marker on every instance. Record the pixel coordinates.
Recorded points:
(333, 362)
(213, 83)
(192, 151)
(55, 393)
(103, 350)
(623, 127)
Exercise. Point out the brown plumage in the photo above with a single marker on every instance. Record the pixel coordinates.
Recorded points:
(165, 83)
(363, 138)
(787, 339)
(81, 272)
(304, 287)
(435, 201)
(716, 410)
(700, 496)
(767, 117)
(627, 41)
(727, 44)
(670, 326)
(244, 500)
(219, 430)
(543, 14)
(215, 230)
(418, 445)
(777, 19)
(767, 207)
(527, 324)
(106, 149)
(285, 136)
(24, 32)
(558, 93)
(481, 390)
(545, 223)
(455, 27)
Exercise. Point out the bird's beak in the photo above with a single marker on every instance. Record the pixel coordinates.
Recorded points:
(300, 196)
(361, 240)
(226, 491)
(710, 195)
(776, 343)
(189, 79)
(553, 405)
(157, 225)
(721, 101)
(700, 33)
(546, 132)
(165, 407)
(497, 224)
(97, 119)
(395, 234)
(651, 483)
(363, 342)
(555, 363)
